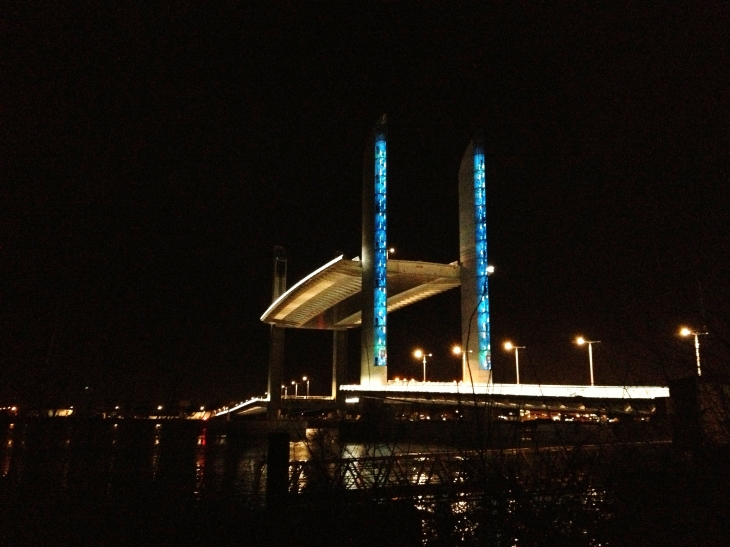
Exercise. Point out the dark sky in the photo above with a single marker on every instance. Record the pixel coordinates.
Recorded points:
(153, 157)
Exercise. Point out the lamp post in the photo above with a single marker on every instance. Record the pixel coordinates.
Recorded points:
(285, 390)
(457, 350)
(418, 354)
(296, 388)
(580, 341)
(305, 379)
(687, 332)
(509, 347)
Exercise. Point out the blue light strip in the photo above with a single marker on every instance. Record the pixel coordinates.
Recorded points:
(480, 227)
(380, 251)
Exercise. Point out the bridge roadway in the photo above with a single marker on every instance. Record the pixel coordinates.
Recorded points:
(540, 451)
(534, 397)
(641, 400)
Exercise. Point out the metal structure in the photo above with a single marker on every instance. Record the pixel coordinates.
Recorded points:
(446, 472)
(330, 298)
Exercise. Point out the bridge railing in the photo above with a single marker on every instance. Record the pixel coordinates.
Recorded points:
(456, 471)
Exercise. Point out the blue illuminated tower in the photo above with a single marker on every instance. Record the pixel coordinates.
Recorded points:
(374, 354)
(474, 264)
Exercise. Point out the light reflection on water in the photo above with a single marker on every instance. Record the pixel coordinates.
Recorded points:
(156, 450)
(200, 463)
(323, 444)
(8, 449)
(129, 458)
(491, 519)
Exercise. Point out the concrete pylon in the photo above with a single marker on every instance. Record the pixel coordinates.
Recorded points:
(276, 338)
(374, 257)
(475, 324)
(339, 365)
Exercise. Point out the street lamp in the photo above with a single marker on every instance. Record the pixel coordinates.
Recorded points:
(509, 347)
(296, 388)
(687, 332)
(580, 341)
(457, 350)
(418, 354)
(286, 390)
(305, 379)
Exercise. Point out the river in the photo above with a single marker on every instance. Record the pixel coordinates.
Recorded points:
(174, 482)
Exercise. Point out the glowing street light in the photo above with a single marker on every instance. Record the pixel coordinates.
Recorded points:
(305, 379)
(457, 350)
(580, 341)
(286, 390)
(687, 332)
(418, 354)
(296, 388)
(509, 347)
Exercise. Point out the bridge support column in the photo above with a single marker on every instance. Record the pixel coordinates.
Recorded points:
(475, 327)
(374, 258)
(276, 371)
(339, 366)
(277, 469)
(276, 340)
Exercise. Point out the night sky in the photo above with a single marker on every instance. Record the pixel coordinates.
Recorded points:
(153, 157)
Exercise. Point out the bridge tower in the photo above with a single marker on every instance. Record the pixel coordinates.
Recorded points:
(475, 327)
(374, 257)
(276, 338)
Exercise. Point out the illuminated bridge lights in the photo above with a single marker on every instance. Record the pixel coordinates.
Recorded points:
(380, 251)
(480, 223)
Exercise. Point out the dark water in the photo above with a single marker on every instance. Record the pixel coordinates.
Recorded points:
(137, 482)
(117, 460)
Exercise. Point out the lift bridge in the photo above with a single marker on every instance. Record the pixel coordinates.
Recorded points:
(357, 294)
